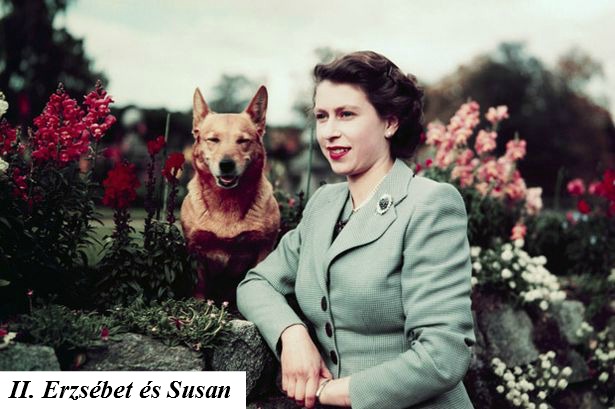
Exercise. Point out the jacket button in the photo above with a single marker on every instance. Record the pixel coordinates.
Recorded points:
(323, 303)
(328, 330)
(333, 357)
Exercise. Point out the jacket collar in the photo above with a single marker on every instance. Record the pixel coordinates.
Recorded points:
(365, 226)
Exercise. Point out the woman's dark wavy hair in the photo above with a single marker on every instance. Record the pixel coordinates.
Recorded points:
(388, 89)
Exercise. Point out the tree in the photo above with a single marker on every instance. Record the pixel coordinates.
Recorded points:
(232, 94)
(35, 56)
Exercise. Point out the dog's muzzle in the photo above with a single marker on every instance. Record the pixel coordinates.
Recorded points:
(227, 182)
(228, 177)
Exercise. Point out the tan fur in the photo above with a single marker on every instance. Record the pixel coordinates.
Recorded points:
(229, 229)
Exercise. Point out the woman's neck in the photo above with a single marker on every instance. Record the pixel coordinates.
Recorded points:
(362, 186)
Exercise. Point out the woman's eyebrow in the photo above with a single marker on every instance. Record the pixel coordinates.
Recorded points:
(342, 107)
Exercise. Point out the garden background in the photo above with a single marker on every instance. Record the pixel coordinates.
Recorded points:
(95, 144)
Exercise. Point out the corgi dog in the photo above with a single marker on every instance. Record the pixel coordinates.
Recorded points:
(230, 217)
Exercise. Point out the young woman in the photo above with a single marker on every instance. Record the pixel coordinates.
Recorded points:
(380, 264)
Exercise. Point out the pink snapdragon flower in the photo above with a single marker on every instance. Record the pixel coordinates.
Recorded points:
(495, 115)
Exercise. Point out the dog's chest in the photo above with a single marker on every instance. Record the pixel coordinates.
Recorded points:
(245, 242)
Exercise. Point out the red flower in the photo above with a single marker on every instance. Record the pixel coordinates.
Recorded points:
(583, 206)
(606, 188)
(428, 162)
(8, 136)
(64, 129)
(156, 145)
(173, 165)
(120, 186)
(20, 191)
(576, 187)
(29, 293)
(3, 333)
(98, 119)
(418, 168)
(104, 334)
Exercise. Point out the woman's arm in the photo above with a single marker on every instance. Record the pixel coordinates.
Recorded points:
(261, 299)
(436, 290)
(261, 294)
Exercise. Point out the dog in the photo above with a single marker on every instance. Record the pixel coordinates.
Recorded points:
(230, 217)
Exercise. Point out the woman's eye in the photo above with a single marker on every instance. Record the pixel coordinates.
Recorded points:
(320, 116)
(346, 114)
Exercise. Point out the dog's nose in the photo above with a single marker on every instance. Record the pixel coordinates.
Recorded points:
(227, 166)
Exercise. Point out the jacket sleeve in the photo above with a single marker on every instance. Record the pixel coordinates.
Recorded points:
(261, 294)
(436, 290)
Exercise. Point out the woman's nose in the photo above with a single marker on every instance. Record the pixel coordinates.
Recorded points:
(331, 131)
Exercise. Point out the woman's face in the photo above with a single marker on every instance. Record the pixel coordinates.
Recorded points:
(350, 132)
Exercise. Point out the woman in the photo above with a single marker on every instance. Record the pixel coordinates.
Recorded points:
(379, 264)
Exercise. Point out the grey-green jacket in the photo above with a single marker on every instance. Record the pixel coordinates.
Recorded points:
(388, 300)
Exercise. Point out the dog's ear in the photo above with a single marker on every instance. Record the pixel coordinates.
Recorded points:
(258, 108)
(199, 109)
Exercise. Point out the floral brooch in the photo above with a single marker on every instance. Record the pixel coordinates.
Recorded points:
(384, 204)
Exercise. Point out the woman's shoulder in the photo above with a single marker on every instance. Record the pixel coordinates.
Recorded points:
(431, 192)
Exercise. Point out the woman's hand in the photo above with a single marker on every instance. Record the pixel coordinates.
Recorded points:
(302, 366)
(336, 392)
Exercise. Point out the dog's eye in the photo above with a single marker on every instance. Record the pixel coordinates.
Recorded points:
(243, 141)
(213, 140)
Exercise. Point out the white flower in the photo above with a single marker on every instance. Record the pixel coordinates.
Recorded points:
(531, 405)
(475, 251)
(525, 397)
(473, 281)
(517, 402)
(3, 166)
(477, 266)
(509, 377)
(506, 274)
(496, 265)
(512, 284)
(542, 395)
(552, 383)
(551, 354)
(604, 376)
(517, 370)
(500, 389)
(554, 370)
(543, 406)
(546, 364)
(562, 384)
(519, 243)
(567, 371)
(507, 255)
(544, 305)
(4, 106)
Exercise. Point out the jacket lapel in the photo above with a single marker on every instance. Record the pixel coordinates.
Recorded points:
(367, 225)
